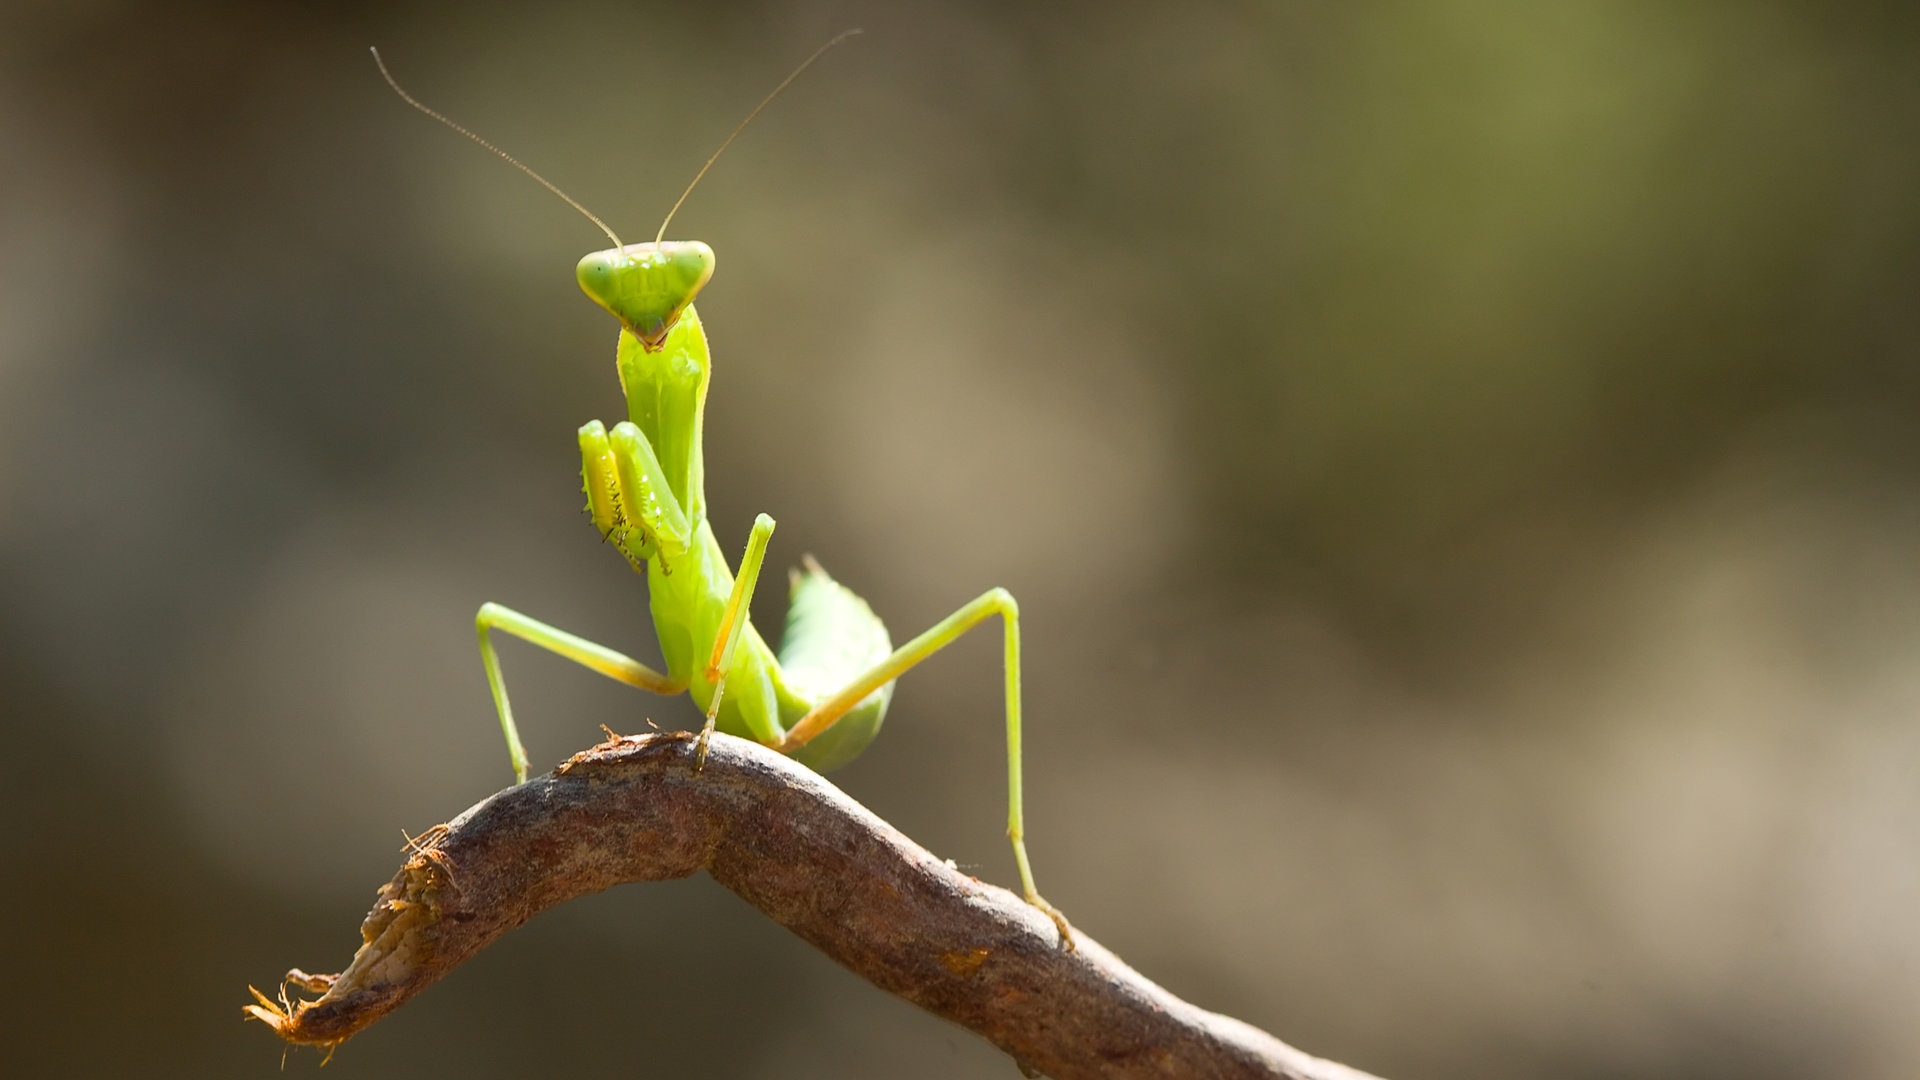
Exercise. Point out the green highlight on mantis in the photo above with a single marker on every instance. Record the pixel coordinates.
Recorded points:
(821, 698)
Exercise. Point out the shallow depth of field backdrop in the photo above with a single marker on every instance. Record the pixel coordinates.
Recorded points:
(1459, 463)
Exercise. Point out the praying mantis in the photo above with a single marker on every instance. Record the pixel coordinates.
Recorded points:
(821, 698)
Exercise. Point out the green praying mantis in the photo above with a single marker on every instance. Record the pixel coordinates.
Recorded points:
(821, 698)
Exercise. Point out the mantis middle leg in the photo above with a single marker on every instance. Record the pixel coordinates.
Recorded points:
(733, 620)
(599, 658)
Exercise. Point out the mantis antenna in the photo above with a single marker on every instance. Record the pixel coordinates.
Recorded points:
(515, 162)
(764, 102)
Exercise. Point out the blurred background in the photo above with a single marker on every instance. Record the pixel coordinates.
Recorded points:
(1459, 464)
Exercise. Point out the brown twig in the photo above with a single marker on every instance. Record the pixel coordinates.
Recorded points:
(812, 859)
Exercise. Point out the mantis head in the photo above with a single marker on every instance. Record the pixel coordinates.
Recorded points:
(647, 286)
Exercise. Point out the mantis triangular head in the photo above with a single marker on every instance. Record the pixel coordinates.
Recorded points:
(647, 286)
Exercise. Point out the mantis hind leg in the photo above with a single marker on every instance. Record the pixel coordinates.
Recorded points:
(607, 662)
(943, 633)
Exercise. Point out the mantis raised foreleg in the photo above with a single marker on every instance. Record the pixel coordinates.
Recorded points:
(822, 698)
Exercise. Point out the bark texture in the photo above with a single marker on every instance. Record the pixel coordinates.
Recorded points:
(812, 859)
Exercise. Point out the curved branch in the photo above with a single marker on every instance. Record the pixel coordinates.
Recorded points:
(812, 859)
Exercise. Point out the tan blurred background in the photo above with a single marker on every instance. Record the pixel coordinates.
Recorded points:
(1459, 463)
